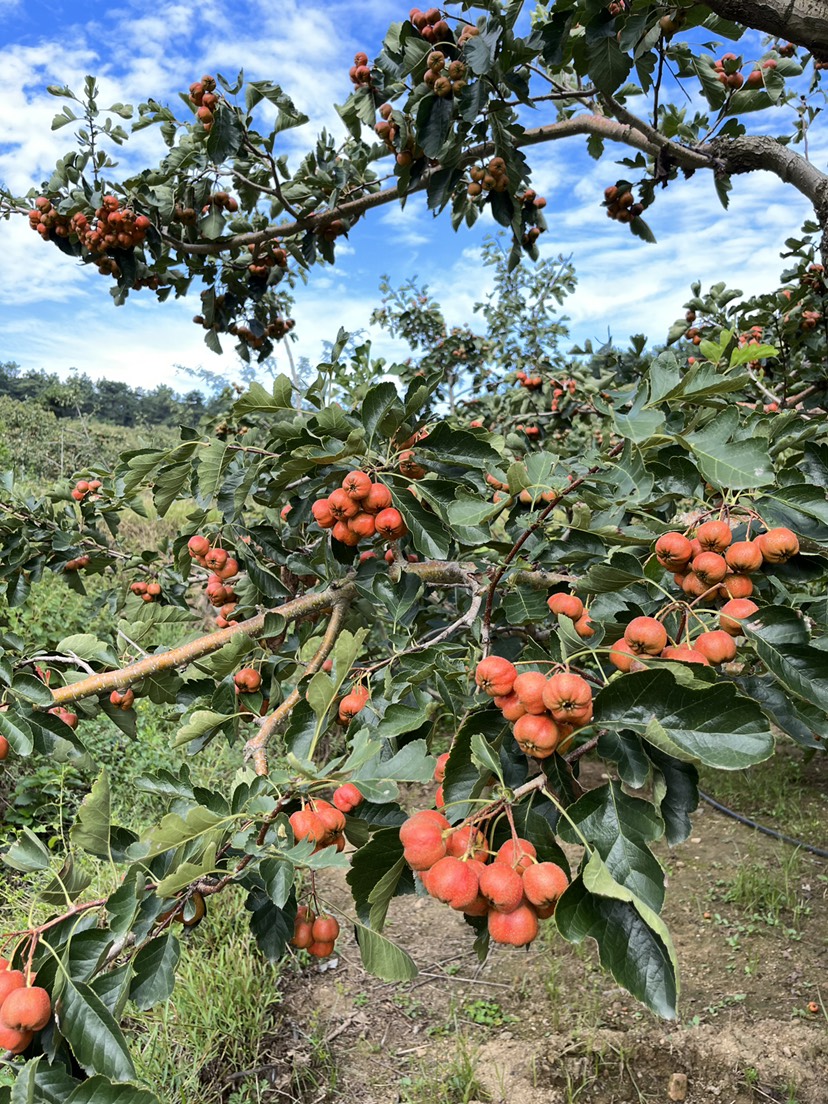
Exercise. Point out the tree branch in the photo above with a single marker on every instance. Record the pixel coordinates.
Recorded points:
(804, 22)
(256, 747)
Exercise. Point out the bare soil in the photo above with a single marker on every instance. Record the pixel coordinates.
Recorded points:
(546, 1025)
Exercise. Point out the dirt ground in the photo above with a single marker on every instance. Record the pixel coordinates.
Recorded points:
(546, 1025)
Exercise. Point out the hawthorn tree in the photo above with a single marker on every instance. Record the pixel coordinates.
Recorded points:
(372, 572)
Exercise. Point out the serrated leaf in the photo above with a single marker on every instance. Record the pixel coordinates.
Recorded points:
(714, 725)
(154, 971)
(95, 1038)
(382, 958)
(91, 829)
(100, 1090)
(776, 634)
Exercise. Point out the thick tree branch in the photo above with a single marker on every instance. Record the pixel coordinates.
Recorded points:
(804, 22)
(611, 130)
(195, 649)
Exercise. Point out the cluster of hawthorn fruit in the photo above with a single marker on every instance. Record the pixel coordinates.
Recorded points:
(269, 256)
(359, 510)
(203, 97)
(728, 72)
(222, 567)
(431, 25)
(492, 177)
(513, 890)
(360, 71)
(221, 201)
(711, 566)
(445, 77)
(85, 487)
(389, 132)
(47, 221)
(147, 592)
(323, 823)
(620, 204)
(24, 1009)
(544, 712)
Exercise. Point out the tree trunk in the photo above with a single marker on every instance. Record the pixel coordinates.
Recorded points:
(804, 22)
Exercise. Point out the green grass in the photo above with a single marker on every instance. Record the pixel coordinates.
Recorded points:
(786, 792)
(219, 1019)
(453, 1081)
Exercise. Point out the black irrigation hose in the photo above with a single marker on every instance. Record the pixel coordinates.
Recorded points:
(761, 828)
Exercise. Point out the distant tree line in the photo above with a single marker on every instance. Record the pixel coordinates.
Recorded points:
(79, 396)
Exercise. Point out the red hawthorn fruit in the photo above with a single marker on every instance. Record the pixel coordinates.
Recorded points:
(567, 696)
(736, 586)
(717, 646)
(502, 887)
(673, 551)
(347, 797)
(510, 706)
(714, 536)
(743, 557)
(518, 853)
(26, 1009)
(779, 545)
(566, 605)
(378, 498)
(537, 735)
(517, 928)
(736, 608)
(543, 883)
(353, 703)
(341, 505)
(357, 484)
(529, 687)
(307, 825)
(322, 513)
(622, 655)
(453, 882)
(390, 524)
(710, 568)
(495, 676)
(440, 768)
(645, 636)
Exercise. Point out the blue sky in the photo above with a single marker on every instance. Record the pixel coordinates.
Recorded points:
(57, 315)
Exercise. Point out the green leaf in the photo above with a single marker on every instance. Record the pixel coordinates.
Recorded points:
(100, 1090)
(272, 927)
(620, 827)
(427, 530)
(484, 757)
(17, 731)
(31, 689)
(202, 723)
(633, 942)
(675, 792)
(382, 410)
(40, 1083)
(728, 464)
(90, 831)
(95, 1038)
(226, 134)
(154, 967)
(607, 65)
(175, 830)
(28, 854)
(434, 122)
(383, 958)
(458, 446)
(188, 872)
(88, 647)
(257, 400)
(776, 634)
(714, 725)
(378, 872)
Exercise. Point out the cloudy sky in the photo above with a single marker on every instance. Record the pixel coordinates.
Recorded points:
(58, 315)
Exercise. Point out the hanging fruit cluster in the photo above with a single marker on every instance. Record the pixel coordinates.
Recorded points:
(83, 488)
(222, 567)
(321, 823)
(359, 510)
(353, 703)
(544, 712)
(24, 1009)
(314, 934)
(620, 203)
(203, 96)
(491, 178)
(147, 592)
(431, 25)
(709, 567)
(445, 77)
(513, 891)
(360, 71)
(47, 220)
